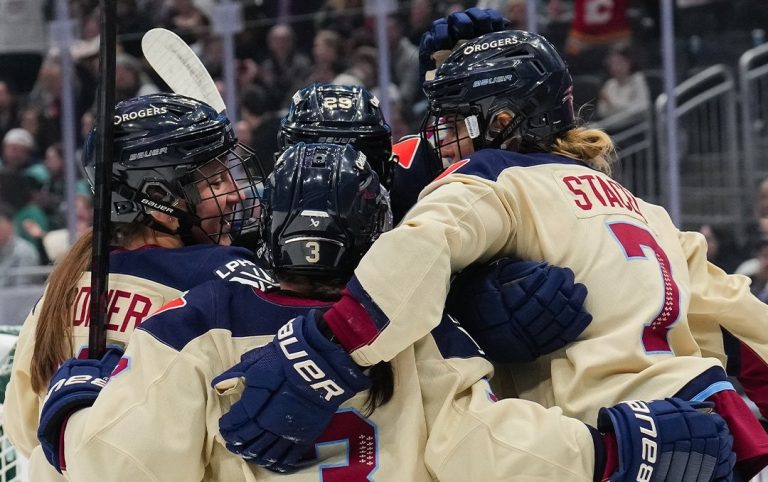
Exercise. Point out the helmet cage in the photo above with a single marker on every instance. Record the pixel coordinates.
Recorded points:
(237, 173)
(178, 156)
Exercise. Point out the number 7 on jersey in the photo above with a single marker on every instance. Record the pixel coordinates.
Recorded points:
(633, 239)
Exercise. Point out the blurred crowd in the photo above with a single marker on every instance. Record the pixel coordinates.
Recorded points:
(612, 47)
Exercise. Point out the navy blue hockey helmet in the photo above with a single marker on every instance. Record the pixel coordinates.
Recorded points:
(510, 89)
(340, 114)
(177, 155)
(324, 207)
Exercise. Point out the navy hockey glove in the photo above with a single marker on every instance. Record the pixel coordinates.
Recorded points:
(293, 386)
(446, 32)
(74, 386)
(519, 310)
(668, 440)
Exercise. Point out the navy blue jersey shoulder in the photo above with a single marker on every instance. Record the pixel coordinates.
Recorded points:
(489, 163)
(180, 268)
(409, 181)
(237, 308)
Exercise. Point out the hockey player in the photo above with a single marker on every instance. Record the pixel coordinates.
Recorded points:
(175, 200)
(530, 308)
(524, 179)
(428, 414)
(342, 114)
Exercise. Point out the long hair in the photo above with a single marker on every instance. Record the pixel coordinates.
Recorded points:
(53, 336)
(592, 146)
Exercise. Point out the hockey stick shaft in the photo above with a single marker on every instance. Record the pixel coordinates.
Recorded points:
(97, 331)
(179, 67)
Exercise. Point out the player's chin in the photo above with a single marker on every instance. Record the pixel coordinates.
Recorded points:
(225, 238)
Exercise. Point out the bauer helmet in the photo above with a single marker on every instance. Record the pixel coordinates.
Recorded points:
(510, 89)
(173, 154)
(340, 114)
(324, 207)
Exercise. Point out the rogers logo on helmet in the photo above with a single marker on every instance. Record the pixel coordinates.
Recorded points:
(139, 114)
(502, 42)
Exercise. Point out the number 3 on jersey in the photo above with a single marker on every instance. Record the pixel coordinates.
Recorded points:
(633, 239)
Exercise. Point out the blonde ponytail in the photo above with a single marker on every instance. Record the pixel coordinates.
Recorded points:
(592, 146)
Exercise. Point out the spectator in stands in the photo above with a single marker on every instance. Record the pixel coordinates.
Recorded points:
(15, 252)
(22, 41)
(131, 20)
(327, 57)
(184, 18)
(8, 112)
(31, 211)
(757, 230)
(404, 64)
(56, 242)
(263, 123)
(285, 69)
(364, 70)
(626, 90)
(18, 146)
(45, 98)
(760, 277)
(50, 175)
(420, 17)
(515, 11)
(31, 120)
(594, 30)
(130, 80)
(721, 247)
(342, 16)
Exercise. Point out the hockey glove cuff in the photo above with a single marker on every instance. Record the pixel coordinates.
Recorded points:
(74, 386)
(666, 440)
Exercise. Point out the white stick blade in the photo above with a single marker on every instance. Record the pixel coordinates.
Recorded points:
(179, 67)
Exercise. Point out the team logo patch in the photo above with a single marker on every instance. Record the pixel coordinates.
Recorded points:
(122, 365)
(173, 304)
(453, 167)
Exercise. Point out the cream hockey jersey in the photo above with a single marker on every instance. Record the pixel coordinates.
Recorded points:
(140, 282)
(647, 282)
(157, 418)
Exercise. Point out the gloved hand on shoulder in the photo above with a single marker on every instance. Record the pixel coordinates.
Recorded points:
(519, 310)
(293, 386)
